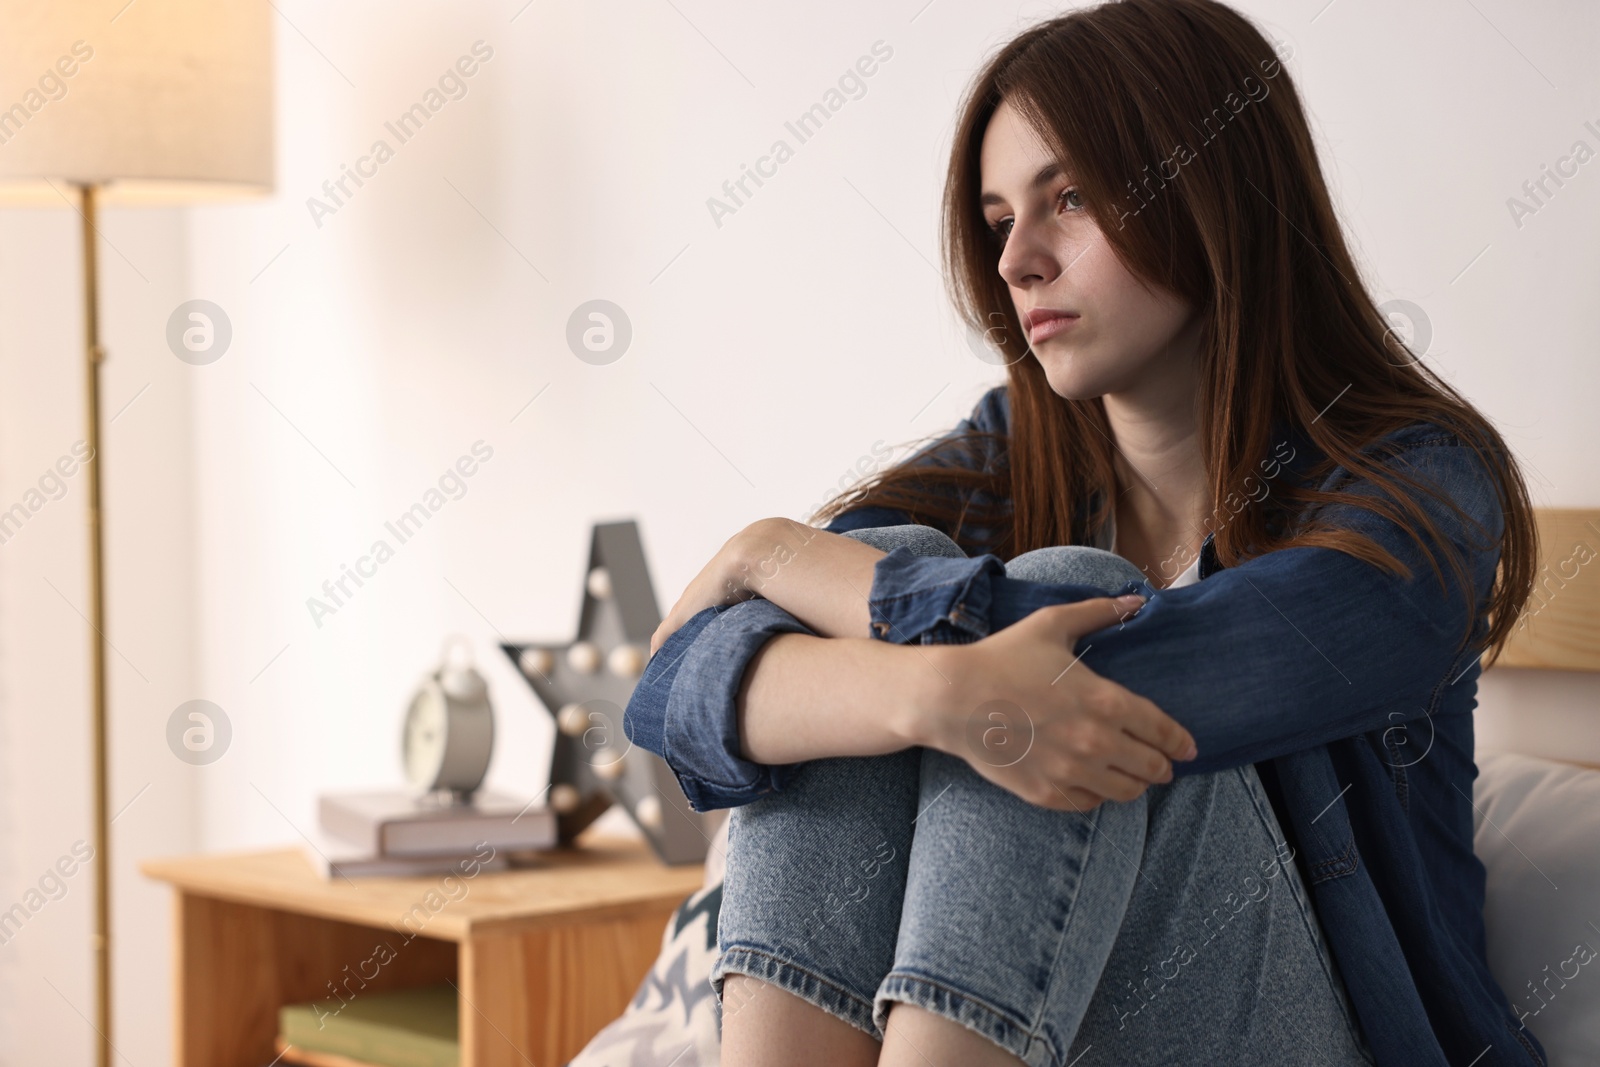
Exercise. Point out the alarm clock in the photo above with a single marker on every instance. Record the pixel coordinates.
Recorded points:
(449, 728)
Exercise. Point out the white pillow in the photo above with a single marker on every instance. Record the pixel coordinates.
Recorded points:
(1537, 831)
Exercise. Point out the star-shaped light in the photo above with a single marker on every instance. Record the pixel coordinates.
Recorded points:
(586, 683)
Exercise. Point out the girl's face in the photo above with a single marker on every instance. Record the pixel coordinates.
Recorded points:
(1093, 326)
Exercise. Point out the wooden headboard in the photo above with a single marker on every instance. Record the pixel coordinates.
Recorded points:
(1560, 627)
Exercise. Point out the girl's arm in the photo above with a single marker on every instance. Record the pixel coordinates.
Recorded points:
(1059, 738)
(687, 705)
(1283, 652)
(737, 696)
(804, 697)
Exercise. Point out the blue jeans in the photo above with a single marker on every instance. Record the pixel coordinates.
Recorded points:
(1174, 928)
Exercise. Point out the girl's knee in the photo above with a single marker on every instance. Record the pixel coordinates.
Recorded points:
(921, 540)
(1078, 564)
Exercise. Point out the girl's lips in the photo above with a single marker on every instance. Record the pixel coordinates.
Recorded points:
(1047, 328)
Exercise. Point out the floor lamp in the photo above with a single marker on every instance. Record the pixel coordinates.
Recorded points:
(158, 101)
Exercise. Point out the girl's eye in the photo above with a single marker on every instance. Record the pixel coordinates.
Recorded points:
(1070, 199)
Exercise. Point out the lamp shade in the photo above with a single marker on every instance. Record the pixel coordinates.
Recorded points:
(156, 100)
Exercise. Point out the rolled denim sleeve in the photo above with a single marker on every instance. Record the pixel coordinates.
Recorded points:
(945, 600)
(685, 707)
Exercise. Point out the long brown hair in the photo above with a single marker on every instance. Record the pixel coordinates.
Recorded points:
(1190, 145)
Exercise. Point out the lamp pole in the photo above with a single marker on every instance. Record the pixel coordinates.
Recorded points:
(94, 356)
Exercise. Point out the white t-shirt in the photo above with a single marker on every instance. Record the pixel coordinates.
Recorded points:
(1108, 540)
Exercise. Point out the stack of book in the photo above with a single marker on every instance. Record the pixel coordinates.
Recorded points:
(398, 1028)
(397, 834)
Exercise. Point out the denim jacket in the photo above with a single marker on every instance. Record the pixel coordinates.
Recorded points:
(1344, 685)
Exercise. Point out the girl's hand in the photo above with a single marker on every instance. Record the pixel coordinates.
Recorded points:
(716, 584)
(821, 578)
(1027, 715)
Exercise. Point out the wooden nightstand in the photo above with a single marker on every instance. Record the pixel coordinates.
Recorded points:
(542, 957)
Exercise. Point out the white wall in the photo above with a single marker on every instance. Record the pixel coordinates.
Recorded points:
(770, 353)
